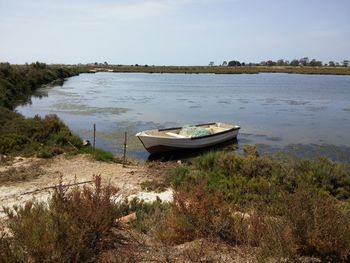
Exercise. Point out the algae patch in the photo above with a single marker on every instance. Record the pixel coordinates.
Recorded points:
(82, 109)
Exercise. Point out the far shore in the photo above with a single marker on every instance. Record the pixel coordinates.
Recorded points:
(218, 69)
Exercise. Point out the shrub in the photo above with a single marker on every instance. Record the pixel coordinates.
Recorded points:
(71, 228)
(288, 207)
(310, 224)
(196, 214)
(44, 137)
(261, 179)
(148, 214)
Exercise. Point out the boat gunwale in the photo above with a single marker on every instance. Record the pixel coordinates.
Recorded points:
(144, 134)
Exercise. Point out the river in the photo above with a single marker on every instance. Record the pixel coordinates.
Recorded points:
(307, 115)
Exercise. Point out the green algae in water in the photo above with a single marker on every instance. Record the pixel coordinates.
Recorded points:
(82, 109)
(115, 136)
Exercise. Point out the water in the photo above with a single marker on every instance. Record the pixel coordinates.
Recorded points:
(304, 114)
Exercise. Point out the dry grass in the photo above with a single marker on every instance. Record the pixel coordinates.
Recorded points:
(234, 70)
(20, 174)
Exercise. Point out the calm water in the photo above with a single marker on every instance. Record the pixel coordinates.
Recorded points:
(305, 114)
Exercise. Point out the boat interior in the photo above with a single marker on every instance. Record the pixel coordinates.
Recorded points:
(211, 128)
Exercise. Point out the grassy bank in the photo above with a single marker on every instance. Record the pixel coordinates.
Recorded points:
(44, 137)
(233, 70)
(41, 136)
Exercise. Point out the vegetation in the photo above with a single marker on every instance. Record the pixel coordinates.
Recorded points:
(98, 154)
(286, 207)
(44, 137)
(18, 82)
(283, 207)
(246, 69)
(73, 227)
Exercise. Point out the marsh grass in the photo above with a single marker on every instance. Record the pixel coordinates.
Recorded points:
(235, 70)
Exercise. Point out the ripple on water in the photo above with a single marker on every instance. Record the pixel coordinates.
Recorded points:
(315, 108)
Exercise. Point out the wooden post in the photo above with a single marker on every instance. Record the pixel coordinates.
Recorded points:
(124, 156)
(93, 145)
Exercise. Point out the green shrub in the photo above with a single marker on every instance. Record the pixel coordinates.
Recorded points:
(288, 207)
(258, 179)
(148, 213)
(44, 137)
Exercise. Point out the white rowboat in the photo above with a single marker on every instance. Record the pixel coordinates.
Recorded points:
(171, 139)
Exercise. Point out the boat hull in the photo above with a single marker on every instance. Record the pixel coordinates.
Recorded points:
(161, 144)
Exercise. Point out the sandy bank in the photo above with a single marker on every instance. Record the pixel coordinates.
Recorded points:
(37, 174)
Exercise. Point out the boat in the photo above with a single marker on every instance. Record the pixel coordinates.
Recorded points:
(187, 137)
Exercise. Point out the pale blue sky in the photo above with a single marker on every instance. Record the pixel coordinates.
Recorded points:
(173, 32)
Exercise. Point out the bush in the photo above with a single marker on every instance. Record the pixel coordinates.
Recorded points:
(44, 137)
(287, 207)
(196, 214)
(148, 214)
(72, 228)
(310, 224)
(256, 179)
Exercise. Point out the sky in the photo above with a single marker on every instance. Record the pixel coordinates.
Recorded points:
(173, 32)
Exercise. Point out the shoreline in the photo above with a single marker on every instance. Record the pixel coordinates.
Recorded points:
(220, 70)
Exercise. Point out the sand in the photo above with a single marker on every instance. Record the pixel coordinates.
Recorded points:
(72, 169)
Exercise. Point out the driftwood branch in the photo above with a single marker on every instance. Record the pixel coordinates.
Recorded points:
(55, 186)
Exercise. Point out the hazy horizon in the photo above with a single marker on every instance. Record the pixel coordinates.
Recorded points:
(172, 32)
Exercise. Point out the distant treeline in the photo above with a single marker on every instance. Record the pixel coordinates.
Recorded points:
(305, 62)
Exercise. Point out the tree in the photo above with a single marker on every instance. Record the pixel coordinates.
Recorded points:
(224, 63)
(280, 62)
(304, 61)
(331, 63)
(211, 63)
(234, 63)
(346, 63)
(270, 63)
(294, 63)
(315, 63)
